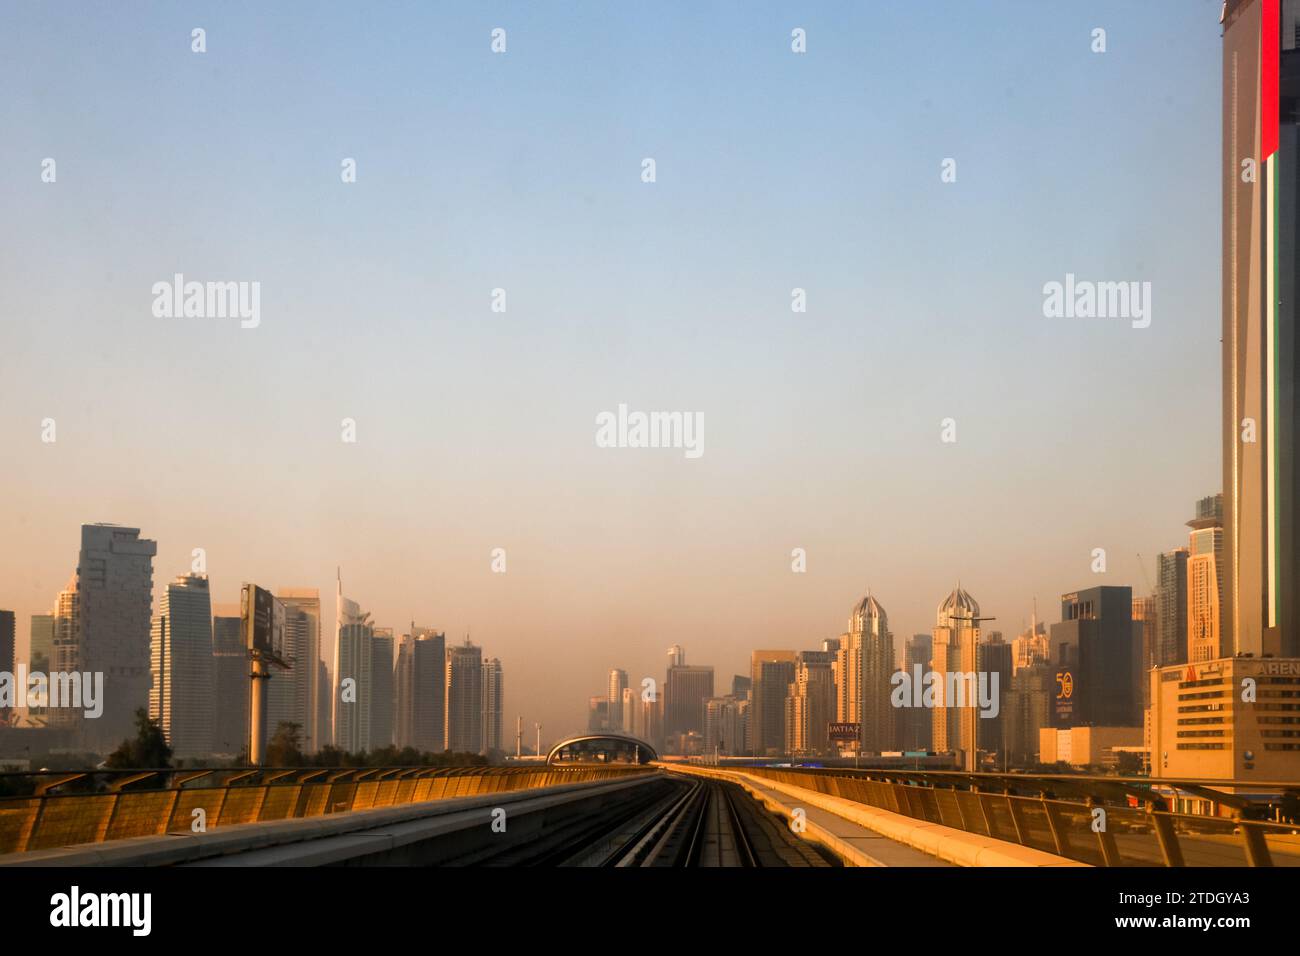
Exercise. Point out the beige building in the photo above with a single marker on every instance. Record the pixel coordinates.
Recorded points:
(1234, 718)
(955, 636)
(864, 664)
(810, 705)
(1087, 746)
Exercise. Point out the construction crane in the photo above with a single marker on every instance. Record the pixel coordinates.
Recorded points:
(1145, 580)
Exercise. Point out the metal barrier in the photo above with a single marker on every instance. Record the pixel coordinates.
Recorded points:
(112, 805)
(1058, 814)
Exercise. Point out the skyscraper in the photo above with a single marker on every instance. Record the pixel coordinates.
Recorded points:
(617, 684)
(230, 682)
(114, 584)
(686, 689)
(288, 692)
(40, 653)
(465, 698)
(182, 666)
(771, 673)
(1204, 581)
(1144, 610)
(810, 704)
(994, 659)
(1171, 610)
(676, 656)
(724, 726)
(1260, 612)
(67, 649)
(864, 668)
(956, 633)
(1096, 660)
(1030, 647)
(8, 632)
(353, 645)
(421, 689)
(382, 698)
(303, 621)
(913, 724)
(40, 649)
(493, 704)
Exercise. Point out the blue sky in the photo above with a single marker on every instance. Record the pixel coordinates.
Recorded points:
(522, 171)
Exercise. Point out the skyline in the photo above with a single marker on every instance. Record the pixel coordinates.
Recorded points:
(476, 429)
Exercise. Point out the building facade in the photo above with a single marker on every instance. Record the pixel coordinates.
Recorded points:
(1260, 610)
(464, 698)
(182, 667)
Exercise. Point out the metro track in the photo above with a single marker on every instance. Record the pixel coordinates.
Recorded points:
(675, 823)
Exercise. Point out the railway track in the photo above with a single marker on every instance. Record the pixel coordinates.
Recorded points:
(679, 823)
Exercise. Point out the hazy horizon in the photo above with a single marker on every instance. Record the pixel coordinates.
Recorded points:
(522, 171)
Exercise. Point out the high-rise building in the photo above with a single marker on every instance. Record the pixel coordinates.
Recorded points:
(230, 682)
(1171, 610)
(301, 704)
(1145, 611)
(1205, 582)
(1027, 711)
(1096, 660)
(597, 714)
(421, 690)
(494, 704)
(771, 673)
(114, 585)
(676, 656)
(288, 692)
(324, 717)
(864, 668)
(353, 649)
(994, 661)
(913, 724)
(724, 726)
(630, 709)
(686, 689)
(956, 633)
(40, 653)
(182, 666)
(67, 650)
(40, 649)
(810, 704)
(8, 638)
(1260, 611)
(617, 684)
(465, 698)
(1031, 646)
(382, 697)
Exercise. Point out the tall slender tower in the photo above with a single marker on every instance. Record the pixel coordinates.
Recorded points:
(865, 662)
(1260, 612)
(183, 667)
(955, 638)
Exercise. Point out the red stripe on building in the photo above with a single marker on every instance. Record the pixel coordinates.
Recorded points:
(1270, 43)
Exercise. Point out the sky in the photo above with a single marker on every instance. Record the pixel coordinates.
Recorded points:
(522, 171)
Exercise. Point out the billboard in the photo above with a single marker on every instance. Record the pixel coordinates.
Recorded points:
(841, 731)
(262, 624)
(1064, 703)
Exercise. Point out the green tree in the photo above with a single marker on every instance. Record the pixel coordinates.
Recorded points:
(285, 746)
(147, 751)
